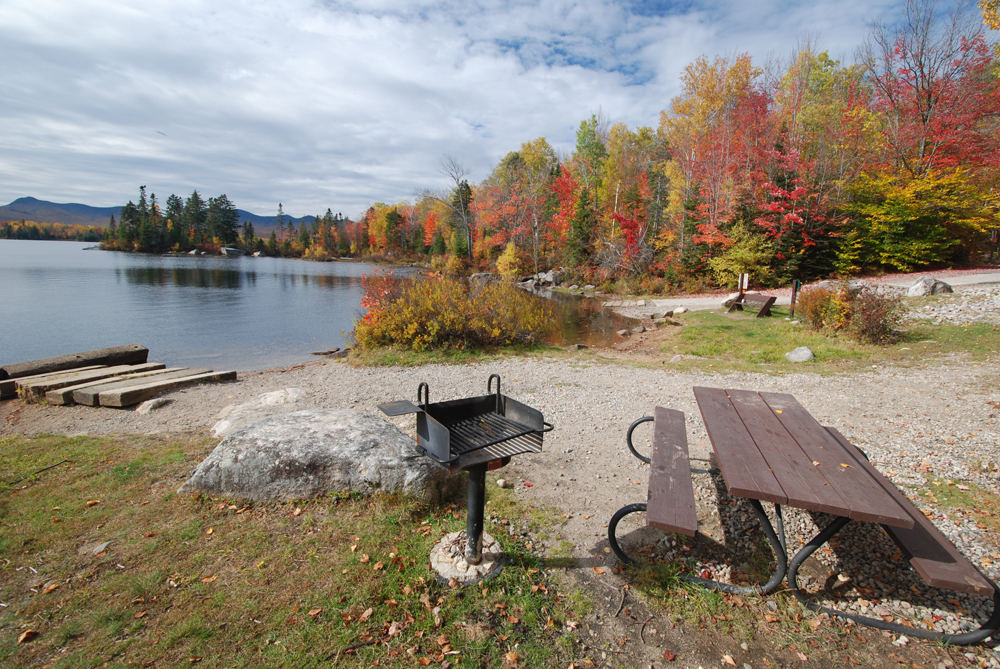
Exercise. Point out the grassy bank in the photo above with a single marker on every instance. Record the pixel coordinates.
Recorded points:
(228, 584)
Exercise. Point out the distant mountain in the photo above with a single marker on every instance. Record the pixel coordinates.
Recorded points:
(32, 209)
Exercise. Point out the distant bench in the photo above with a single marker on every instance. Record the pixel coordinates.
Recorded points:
(764, 301)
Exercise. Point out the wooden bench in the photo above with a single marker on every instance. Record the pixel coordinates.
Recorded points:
(932, 555)
(670, 504)
(764, 301)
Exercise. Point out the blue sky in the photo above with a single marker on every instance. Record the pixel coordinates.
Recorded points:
(322, 104)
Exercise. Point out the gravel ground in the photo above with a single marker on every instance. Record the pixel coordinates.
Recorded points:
(969, 305)
(941, 420)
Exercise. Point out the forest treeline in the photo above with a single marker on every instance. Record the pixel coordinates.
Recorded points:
(810, 169)
(807, 169)
(50, 231)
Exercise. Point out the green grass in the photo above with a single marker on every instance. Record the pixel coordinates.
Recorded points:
(397, 357)
(246, 585)
(740, 342)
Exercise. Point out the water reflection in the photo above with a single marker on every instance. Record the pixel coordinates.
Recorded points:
(212, 277)
(583, 320)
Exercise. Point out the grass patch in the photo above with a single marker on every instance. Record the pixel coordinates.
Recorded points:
(390, 356)
(740, 342)
(245, 585)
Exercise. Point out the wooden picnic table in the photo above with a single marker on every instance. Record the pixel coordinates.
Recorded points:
(769, 448)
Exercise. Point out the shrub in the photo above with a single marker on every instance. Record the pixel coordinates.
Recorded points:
(511, 263)
(440, 312)
(871, 316)
(876, 317)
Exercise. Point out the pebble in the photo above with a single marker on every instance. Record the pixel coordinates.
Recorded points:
(970, 305)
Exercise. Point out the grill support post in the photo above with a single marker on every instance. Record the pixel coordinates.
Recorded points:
(476, 508)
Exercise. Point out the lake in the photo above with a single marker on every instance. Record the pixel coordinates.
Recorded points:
(223, 312)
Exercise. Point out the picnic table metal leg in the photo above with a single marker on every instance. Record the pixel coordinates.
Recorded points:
(988, 629)
(777, 545)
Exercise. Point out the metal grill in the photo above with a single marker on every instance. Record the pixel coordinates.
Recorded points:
(490, 429)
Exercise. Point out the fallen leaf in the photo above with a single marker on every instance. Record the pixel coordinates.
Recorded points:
(194, 659)
(391, 602)
(26, 636)
(598, 570)
(423, 661)
(729, 660)
(513, 620)
(364, 558)
(354, 548)
(378, 565)
(53, 586)
(668, 656)
(572, 624)
(777, 411)
(93, 502)
(802, 657)
(209, 531)
(512, 657)
(426, 601)
(453, 583)
(816, 462)
(297, 512)
(526, 485)
(366, 615)
(209, 579)
(141, 614)
(441, 640)
(55, 520)
(315, 612)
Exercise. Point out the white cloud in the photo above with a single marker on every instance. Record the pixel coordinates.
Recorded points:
(327, 104)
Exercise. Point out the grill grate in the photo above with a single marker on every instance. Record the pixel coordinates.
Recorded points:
(485, 430)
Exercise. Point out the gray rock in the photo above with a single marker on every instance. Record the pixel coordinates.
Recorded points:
(576, 347)
(340, 355)
(680, 310)
(230, 251)
(483, 279)
(590, 286)
(317, 451)
(194, 252)
(677, 358)
(927, 285)
(853, 287)
(801, 354)
(623, 333)
(639, 329)
(149, 406)
(93, 548)
(574, 287)
(282, 401)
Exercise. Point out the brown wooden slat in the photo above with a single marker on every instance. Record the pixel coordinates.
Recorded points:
(934, 557)
(745, 470)
(863, 501)
(802, 481)
(670, 505)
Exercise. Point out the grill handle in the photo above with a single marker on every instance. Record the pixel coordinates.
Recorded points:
(548, 427)
(427, 393)
(489, 389)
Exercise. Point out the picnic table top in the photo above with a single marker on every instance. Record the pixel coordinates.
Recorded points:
(771, 449)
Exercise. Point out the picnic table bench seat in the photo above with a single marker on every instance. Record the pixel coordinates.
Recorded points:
(763, 301)
(670, 503)
(937, 560)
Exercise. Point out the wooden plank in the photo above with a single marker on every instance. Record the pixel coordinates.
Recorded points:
(8, 387)
(765, 309)
(90, 395)
(63, 396)
(800, 479)
(864, 501)
(934, 557)
(34, 390)
(670, 503)
(745, 470)
(136, 394)
(132, 354)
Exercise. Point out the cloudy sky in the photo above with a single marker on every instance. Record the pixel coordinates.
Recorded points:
(320, 104)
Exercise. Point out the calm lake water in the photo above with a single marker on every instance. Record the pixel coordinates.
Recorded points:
(225, 312)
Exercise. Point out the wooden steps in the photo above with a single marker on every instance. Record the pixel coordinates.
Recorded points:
(112, 377)
(34, 390)
(136, 394)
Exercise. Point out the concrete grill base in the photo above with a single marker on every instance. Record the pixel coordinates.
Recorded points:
(447, 558)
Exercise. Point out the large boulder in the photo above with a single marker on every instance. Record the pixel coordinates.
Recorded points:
(318, 451)
(853, 287)
(237, 416)
(927, 285)
(483, 279)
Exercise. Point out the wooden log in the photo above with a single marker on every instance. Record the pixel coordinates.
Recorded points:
(136, 394)
(32, 391)
(133, 354)
(64, 396)
(8, 387)
(90, 396)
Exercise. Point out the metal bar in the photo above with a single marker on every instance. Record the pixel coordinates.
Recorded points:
(474, 521)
